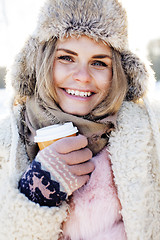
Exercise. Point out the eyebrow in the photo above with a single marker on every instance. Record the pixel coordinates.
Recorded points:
(67, 51)
(99, 56)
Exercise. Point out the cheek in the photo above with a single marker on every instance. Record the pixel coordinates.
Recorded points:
(104, 80)
(60, 73)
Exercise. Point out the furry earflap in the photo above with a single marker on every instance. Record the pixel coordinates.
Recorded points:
(139, 76)
(23, 75)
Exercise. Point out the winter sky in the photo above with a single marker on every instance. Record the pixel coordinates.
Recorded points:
(18, 20)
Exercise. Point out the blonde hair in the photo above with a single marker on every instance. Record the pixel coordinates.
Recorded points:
(118, 89)
(44, 69)
(114, 97)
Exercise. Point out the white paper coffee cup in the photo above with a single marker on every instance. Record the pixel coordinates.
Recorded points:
(47, 135)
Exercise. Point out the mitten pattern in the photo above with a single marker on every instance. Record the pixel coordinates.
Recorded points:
(37, 185)
(59, 169)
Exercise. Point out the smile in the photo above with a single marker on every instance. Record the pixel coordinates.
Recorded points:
(78, 93)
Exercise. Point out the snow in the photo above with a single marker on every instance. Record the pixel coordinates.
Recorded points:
(4, 109)
(157, 89)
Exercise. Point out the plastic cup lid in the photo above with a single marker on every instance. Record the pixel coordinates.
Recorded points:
(55, 132)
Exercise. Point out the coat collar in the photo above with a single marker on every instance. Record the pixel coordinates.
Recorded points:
(134, 166)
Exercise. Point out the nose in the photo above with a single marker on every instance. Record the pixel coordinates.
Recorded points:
(82, 74)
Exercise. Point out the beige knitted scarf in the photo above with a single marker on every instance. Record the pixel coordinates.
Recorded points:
(42, 111)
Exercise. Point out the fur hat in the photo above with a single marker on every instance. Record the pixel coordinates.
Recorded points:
(99, 19)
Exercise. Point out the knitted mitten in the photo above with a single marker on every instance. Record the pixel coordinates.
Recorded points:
(67, 162)
(57, 171)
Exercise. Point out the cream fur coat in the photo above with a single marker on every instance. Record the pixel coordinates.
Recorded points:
(136, 173)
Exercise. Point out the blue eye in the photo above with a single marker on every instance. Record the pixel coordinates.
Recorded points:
(99, 64)
(65, 58)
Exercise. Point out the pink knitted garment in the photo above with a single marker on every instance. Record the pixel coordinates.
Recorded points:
(95, 208)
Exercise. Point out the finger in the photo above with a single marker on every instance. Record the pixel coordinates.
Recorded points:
(77, 157)
(82, 169)
(81, 180)
(70, 144)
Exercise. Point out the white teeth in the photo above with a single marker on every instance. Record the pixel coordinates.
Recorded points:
(81, 94)
(78, 93)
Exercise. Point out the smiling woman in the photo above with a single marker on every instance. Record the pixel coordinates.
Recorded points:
(81, 79)
(102, 183)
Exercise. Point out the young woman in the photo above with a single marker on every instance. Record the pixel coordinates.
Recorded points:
(104, 182)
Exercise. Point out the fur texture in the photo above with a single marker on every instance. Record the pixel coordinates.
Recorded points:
(136, 174)
(96, 209)
(134, 159)
(105, 20)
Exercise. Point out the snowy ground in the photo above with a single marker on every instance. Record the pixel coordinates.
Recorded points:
(4, 95)
(3, 102)
(157, 89)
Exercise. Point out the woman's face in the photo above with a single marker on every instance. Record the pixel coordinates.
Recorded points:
(82, 74)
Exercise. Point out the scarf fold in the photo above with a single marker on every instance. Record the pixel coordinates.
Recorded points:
(41, 112)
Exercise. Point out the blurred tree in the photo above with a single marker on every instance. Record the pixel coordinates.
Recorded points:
(154, 56)
(2, 76)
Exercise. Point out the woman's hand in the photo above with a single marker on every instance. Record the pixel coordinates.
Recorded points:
(68, 162)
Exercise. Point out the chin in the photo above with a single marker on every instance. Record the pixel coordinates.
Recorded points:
(78, 113)
(75, 112)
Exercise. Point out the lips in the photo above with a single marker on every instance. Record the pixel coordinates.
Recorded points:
(79, 93)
